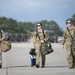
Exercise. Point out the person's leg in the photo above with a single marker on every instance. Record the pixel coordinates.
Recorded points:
(74, 57)
(38, 57)
(69, 56)
(43, 61)
(0, 58)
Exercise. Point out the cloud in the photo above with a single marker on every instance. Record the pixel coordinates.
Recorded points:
(34, 4)
(30, 10)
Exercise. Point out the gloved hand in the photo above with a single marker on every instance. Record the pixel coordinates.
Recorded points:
(42, 41)
(33, 47)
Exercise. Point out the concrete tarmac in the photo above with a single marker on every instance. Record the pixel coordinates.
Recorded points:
(17, 61)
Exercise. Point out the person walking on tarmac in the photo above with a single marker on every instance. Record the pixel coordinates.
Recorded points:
(2, 37)
(38, 39)
(69, 32)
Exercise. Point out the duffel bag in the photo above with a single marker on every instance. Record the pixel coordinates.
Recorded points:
(5, 46)
(46, 48)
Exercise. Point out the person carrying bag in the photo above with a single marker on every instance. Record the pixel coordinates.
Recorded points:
(5, 44)
(39, 42)
(46, 47)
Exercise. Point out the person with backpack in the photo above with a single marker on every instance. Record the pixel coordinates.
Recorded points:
(40, 36)
(69, 40)
(2, 37)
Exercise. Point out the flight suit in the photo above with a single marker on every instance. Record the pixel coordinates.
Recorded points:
(2, 37)
(37, 45)
(68, 41)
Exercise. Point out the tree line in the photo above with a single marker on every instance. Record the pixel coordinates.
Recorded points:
(13, 26)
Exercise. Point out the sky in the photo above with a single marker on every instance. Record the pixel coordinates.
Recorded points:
(38, 10)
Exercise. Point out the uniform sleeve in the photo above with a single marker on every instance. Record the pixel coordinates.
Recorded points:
(34, 39)
(74, 28)
(46, 35)
(3, 35)
(64, 38)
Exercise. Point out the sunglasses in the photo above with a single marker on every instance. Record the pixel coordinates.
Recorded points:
(39, 26)
(69, 22)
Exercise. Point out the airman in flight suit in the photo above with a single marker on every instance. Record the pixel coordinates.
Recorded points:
(68, 41)
(37, 44)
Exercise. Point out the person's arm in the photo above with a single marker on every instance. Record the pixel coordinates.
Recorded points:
(46, 35)
(74, 28)
(3, 35)
(64, 38)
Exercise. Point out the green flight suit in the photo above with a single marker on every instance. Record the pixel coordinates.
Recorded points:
(2, 37)
(37, 45)
(68, 41)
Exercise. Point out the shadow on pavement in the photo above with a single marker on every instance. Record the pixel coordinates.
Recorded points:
(55, 66)
(15, 66)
